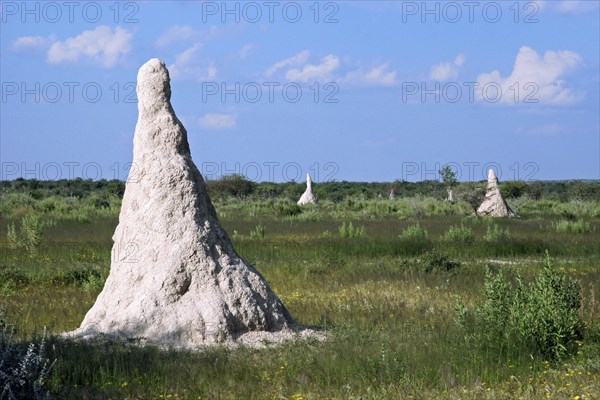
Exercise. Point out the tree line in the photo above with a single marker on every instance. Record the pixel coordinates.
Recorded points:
(238, 187)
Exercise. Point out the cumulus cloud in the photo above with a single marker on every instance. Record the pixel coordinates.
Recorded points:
(568, 6)
(32, 43)
(377, 76)
(294, 60)
(188, 65)
(218, 121)
(103, 45)
(311, 72)
(246, 50)
(542, 130)
(539, 79)
(179, 34)
(447, 70)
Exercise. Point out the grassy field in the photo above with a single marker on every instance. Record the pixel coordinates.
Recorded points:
(390, 292)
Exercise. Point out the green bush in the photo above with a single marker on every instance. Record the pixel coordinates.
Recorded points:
(24, 369)
(29, 236)
(94, 282)
(460, 235)
(495, 233)
(349, 231)
(258, 232)
(541, 317)
(14, 275)
(287, 209)
(415, 232)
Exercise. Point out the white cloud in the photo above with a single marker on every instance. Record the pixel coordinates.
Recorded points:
(246, 50)
(377, 76)
(31, 42)
(296, 59)
(103, 45)
(188, 66)
(460, 60)
(218, 121)
(567, 6)
(447, 70)
(536, 78)
(311, 72)
(178, 34)
(542, 130)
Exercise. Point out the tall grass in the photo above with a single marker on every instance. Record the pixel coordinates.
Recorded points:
(565, 226)
(387, 301)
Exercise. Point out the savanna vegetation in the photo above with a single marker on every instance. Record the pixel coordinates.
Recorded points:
(419, 298)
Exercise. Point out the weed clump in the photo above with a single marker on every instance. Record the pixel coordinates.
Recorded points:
(495, 233)
(349, 231)
(459, 235)
(30, 235)
(541, 317)
(415, 232)
(24, 370)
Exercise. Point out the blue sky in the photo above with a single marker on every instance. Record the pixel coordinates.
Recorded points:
(354, 90)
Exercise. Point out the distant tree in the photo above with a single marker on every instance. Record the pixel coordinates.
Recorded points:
(449, 178)
(268, 190)
(581, 190)
(473, 195)
(535, 190)
(513, 189)
(232, 186)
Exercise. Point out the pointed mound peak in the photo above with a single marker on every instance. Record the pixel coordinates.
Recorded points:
(308, 197)
(494, 204)
(153, 85)
(175, 278)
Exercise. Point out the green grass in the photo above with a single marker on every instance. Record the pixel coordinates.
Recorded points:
(387, 301)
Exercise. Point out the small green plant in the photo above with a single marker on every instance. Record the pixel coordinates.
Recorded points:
(415, 232)
(24, 371)
(32, 230)
(460, 235)
(287, 209)
(7, 289)
(258, 232)
(30, 235)
(540, 317)
(566, 226)
(349, 231)
(93, 283)
(495, 233)
(12, 237)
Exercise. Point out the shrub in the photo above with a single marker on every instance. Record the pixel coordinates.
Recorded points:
(459, 235)
(94, 282)
(415, 232)
(30, 235)
(12, 277)
(31, 231)
(540, 317)
(258, 232)
(12, 237)
(566, 226)
(349, 231)
(496, 233)
(287, 209)
(24, 374)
